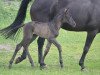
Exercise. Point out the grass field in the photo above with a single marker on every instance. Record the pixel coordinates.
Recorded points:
(72, 45)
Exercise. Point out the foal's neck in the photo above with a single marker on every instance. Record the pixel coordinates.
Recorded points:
(57, 24)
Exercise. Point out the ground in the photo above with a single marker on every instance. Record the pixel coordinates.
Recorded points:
(72, 45)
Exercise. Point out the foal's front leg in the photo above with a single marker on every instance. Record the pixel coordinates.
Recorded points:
(53, 40)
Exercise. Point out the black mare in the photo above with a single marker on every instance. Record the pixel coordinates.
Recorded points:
(86, 14)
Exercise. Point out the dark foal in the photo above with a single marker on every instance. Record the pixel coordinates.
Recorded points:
(49, 31)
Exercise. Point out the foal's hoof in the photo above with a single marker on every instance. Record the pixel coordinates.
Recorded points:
(82, 68)
(10, 66)
(32, 65)
(42, 66)
(17, 60)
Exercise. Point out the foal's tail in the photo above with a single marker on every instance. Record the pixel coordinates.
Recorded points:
(10, 31)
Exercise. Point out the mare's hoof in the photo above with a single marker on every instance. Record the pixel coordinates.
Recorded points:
(61, 65)
(17, 60)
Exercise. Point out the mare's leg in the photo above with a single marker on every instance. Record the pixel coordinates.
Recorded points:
(23, 56)
(18, 47)
(45, 53)
(40, 47)
(90, 36)
(59, 49)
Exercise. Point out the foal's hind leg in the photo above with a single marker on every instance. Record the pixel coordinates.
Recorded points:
(47, 49)
(23, 56)
(29, 56)
(45, 53)
(26, 42)
(90, 36)
(30, 59)
(18, 47)
(59, 49)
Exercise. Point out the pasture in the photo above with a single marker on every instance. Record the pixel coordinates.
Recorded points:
(72, 45)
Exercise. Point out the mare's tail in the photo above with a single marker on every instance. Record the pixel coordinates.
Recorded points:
(10, 31)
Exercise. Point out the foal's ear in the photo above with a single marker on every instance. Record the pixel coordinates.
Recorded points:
(66, 10)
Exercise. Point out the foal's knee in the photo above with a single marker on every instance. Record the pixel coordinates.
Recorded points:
(23, 56)
(86, 50)
(59, 48)
(18, 47)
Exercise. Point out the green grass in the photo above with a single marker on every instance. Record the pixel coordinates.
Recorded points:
(72, 45)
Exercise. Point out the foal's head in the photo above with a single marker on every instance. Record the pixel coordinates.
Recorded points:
(64, 17)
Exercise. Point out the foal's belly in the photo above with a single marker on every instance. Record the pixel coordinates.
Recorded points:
(43, 31)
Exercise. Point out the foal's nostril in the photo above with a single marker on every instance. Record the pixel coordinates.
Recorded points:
(74, 24)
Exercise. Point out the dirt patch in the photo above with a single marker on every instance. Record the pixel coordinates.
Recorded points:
(5, 47)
